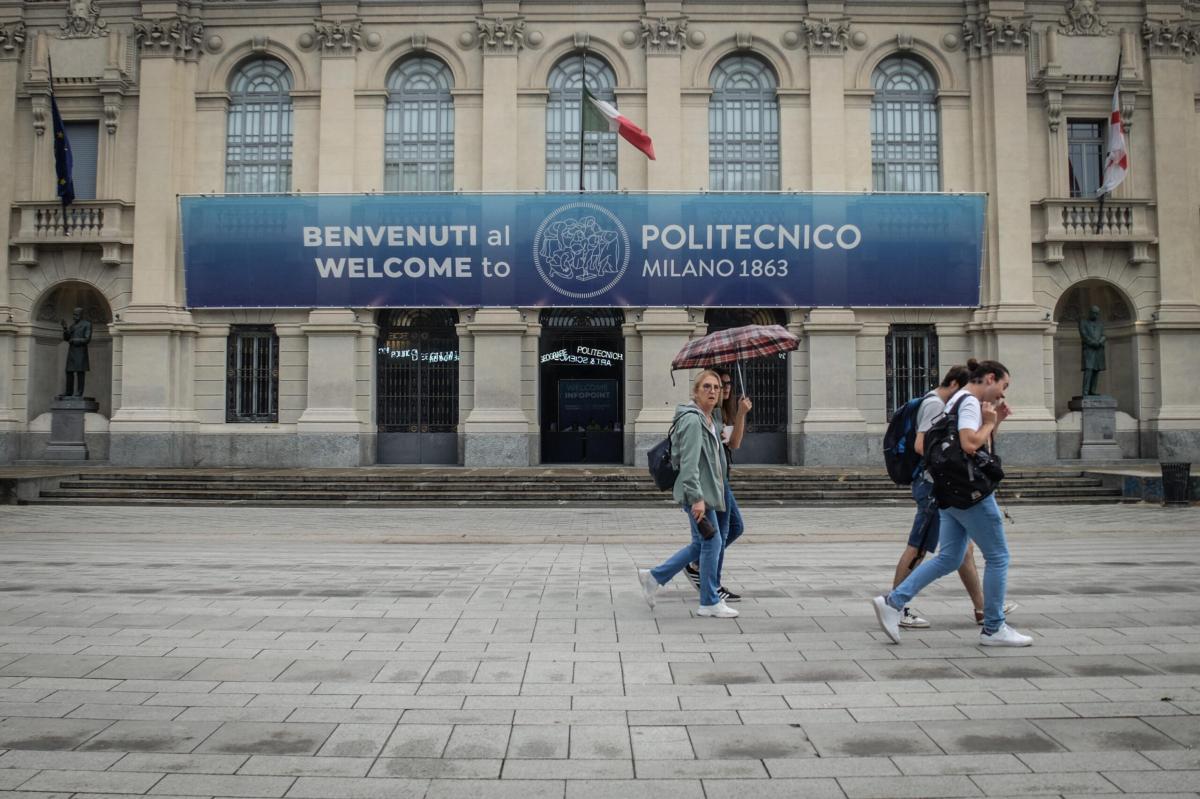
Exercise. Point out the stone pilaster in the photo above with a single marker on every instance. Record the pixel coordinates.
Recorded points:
(12, 43)
(826, 39)
(332, 429)
(664, 39)
(835, 432)
(497, 429)
(664, 331)
(500, 38)
(1171, 45)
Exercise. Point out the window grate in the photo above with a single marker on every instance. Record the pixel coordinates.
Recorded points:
(911, 360)
(252, 374)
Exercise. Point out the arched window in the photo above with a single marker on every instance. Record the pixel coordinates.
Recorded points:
(743, 126)
(905, 138)
(562, 127)
(258, 139)
(418, 138)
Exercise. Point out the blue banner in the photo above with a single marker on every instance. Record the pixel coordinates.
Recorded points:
(455, 250)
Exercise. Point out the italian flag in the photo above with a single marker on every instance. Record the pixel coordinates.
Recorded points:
(599, 115)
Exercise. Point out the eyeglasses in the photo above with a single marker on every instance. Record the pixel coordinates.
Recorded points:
(727, 384)
(710, 387)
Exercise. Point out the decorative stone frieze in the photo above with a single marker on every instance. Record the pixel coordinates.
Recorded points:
(1170, 39)
(997, 34)
(826, 36)
(177, 37)
(12, 39)
(500, 36)
(1083, 19)
(83, 21)
(664, 34)
(339, 37)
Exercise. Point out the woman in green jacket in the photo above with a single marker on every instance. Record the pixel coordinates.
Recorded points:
(700, 488)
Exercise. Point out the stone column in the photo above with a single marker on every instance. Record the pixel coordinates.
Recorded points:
(835, 432)
(331, 430)
(371, 107)
(12, 36)
(664, 331)
(501, 38)
(156, 419)
(497, 428)
(1009, 327)
(1175, 424)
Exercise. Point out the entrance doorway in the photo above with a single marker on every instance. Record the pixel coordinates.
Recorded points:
(581, 378)
(766, 384)
(416, 386)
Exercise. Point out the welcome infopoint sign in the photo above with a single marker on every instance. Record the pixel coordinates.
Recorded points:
(588, 249)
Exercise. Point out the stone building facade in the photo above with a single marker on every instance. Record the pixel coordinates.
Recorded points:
(1005, 97)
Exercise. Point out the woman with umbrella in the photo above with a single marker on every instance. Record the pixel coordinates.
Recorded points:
(700, 488)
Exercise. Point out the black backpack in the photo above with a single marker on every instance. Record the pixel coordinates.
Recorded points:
(662, 470)
(959, 480)
(899, 443)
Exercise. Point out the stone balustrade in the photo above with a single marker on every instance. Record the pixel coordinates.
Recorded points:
(106, 223)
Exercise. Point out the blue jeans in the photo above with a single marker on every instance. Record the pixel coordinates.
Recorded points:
(707, 552)
(731, 526)
(983, 524)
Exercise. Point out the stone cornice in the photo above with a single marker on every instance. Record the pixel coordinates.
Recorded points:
(1170, 39)
(173, 37)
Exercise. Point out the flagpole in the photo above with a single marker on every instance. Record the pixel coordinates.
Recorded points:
(1100, 207)
(583, 98)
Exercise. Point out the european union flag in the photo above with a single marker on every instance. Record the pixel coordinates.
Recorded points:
(62, 156)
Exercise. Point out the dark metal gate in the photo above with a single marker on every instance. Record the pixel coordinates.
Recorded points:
(417, 386)
(581, 378)
(766, 385)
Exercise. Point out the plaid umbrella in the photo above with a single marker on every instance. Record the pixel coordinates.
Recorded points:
(735, 344)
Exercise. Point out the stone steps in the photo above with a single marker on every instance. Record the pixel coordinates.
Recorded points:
(619, 487)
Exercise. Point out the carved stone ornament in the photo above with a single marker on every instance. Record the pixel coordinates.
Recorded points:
(1170, 39)
(501, 35)
(175, 36)
(664, 35)
(112, 111)
(828, 36)
(1083, 19)
(83, 21)
(12, 38)
(339, 37)
(997, 34)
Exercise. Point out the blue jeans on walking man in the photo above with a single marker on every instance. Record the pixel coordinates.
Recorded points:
(708, 553)
(983, 524)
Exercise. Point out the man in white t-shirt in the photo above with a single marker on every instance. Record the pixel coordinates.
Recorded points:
(980, 411)
(923, 537)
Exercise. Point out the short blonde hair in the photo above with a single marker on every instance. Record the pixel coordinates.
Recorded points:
(700, 378)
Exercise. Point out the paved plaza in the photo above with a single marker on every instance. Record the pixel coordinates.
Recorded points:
(359, 652)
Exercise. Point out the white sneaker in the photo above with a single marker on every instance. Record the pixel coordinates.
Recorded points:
(717, 611)
(650, 586)
(1005, 636)
(889, 618)
(910, 620)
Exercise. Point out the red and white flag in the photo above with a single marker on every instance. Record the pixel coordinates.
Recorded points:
(601, 115)
(1117, 162)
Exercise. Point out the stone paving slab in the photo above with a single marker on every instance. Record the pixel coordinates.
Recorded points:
(233, 653)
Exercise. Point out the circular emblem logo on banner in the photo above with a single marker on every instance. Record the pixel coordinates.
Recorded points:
(581, 250)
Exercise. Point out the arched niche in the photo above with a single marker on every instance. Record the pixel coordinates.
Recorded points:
(1120, 379)
(48, 350)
